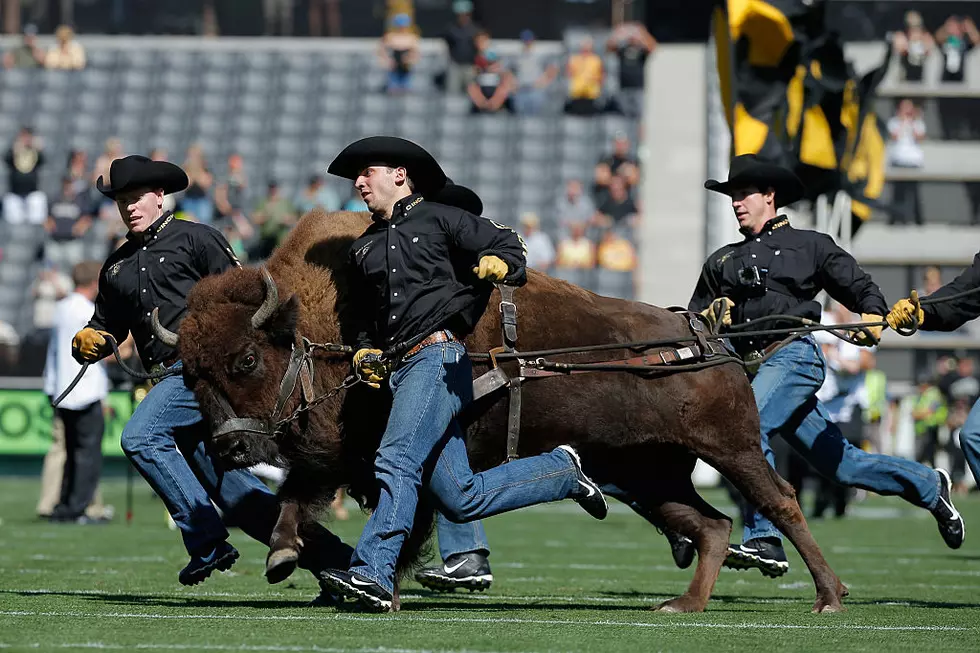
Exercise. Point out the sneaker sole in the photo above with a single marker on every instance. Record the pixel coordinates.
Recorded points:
(224, 563)
(372, 603)
(739, 560)
(590, 505)
(948, 483)
(449, 584)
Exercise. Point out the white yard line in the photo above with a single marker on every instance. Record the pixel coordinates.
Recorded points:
(312, 648)
(480, 620)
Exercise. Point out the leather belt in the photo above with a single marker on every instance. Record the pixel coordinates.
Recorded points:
(445, 335)
(756, 354)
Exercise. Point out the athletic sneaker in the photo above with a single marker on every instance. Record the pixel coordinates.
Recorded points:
(469, 571)
(590, 497)
(353, 585)
(763, 553)
(951, 525)
(220, 558)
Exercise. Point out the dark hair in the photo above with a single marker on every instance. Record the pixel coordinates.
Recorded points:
(85, 273)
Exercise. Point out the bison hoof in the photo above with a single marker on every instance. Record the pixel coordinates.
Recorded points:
(823, 606)
(680, 604)
(280, 564)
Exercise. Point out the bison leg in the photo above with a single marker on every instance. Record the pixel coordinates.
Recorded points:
(285, 545)
(776, 499)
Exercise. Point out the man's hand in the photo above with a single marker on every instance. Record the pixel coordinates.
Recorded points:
(871, 335)
(371, 371)
(491, 268)
(906, 313)
(89, 345)
(722, 305)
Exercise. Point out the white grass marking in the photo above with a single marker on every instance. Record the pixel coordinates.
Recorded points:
(480, 620)
(312, 648)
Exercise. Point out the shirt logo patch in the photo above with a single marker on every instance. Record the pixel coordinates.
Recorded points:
(363, 250)
(114, 270)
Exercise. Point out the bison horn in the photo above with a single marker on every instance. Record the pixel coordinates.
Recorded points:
(164, 335)
(269, 304)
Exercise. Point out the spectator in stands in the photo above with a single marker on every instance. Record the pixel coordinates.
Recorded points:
(68, 222)
(573, 206)
(77, 171)
(274, 216)
(111, 151)
(24, 202)
(928, 415)
(491, 90)
(460, 39)
(278, 17)
(956, 38)
(50, 287)
(482, 43)
(355, 202)
(324, 13)
(398, 53)
(632, 44)
(616, 261)
(67, 53)
(586, 75)
(932, 280)
(913, 46)
(82, 410)
(575, 262)
(197, 198)
(618, 164)
(533, 77)
(618, 209)
(231, 195)
(906, 129)
(540, 250)
(317, 194)
(26, 55)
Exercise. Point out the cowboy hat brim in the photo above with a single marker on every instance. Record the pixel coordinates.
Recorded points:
(422, 167)
(458, 196)
(788, 187)
(134, 172)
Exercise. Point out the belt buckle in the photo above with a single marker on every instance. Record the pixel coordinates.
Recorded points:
(158, 368)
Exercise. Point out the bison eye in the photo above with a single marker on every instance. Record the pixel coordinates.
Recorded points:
(248, 362)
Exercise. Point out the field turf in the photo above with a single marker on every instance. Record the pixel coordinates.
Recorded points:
(563, 582)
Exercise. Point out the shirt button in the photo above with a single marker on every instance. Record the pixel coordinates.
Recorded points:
(142, 269)
(394, 269)
(396, 294)
(147, 315)
(144, 248)
(753, 256)
(152, 337)
(394, 317)
(393, 247)
(758, 240)
(144, 290)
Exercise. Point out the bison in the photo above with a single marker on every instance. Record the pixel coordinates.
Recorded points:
(642, 435)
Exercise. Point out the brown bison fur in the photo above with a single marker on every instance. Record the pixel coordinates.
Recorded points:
(642, 435)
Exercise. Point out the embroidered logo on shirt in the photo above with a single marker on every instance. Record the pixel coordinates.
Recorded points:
(362, 252)
(114, 270)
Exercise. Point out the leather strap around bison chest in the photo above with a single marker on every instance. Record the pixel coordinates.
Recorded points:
(663, 359)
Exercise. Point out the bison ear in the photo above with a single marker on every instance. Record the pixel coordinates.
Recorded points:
(281, 327)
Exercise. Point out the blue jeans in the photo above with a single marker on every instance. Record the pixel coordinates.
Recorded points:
(785, 387)
(460, 538)
(423, 445)
(970, 440)
(164, 439)
(529, 100)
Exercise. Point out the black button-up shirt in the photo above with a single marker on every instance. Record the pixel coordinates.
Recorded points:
(795, 265)
(157, 268)
(413, 274)
(951, 315)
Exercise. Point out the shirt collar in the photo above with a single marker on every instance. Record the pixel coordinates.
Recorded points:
(401, 209)
(159, 225)
(770, 226)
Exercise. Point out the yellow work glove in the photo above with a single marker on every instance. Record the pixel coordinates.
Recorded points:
(713, 309)
(491, 268)
(371, 372)
(89, 345)
(862, 337)
(905, 314)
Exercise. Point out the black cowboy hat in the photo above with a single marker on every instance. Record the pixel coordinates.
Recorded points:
(750, 170)
(135, 171)
(392, 151)
(459, 196)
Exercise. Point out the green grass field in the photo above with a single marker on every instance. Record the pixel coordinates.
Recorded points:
(563, 582)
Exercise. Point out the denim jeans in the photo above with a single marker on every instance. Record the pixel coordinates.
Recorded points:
(164, 439)
(423, 445)
(785, 387)
(970, 440)
(529, 100)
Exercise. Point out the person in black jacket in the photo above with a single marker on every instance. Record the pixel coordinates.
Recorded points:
(778, 270)
(421, 278)
(155, 269)
(949, 315)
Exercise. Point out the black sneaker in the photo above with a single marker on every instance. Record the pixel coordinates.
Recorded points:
(327, 598)
(368, 593)
(468, 571)
(951, 525)
(682, 548)
(762, 553)
(592, 500)
(221, 558)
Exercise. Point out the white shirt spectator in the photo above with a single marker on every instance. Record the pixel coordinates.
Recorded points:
(540, 251)
(904, 149)
(71, 315)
